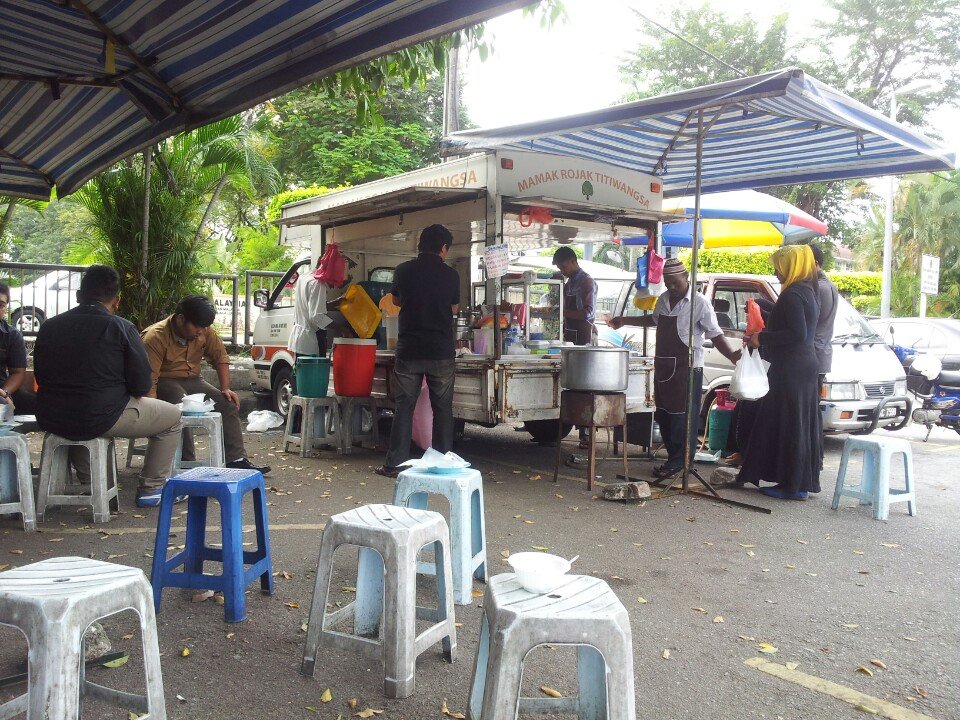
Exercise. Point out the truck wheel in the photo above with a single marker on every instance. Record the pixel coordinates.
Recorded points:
(545, 431)
(27, 319)
(284, 387)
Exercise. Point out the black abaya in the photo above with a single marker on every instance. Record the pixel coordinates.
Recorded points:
(785, 444)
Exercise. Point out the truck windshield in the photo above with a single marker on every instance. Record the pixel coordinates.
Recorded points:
(849, 325)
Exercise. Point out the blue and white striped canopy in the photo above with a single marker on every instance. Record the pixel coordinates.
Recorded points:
(84, 83)
(779, 128)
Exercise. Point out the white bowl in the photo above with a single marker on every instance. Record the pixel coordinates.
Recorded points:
(539, 572)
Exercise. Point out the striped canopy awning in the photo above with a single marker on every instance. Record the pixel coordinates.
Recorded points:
(778, 128)
(84, 83)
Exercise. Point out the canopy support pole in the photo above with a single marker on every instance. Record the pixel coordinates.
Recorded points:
(145, 230)
(693, 399)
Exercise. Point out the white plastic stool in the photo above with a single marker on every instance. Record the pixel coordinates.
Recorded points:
(582, 611)
(52, 603)
(385, 611)
(212, 424)
(468, 537)
(874, 488)
(307, 438)
(55, 472)
(351, 414)
(17, 444)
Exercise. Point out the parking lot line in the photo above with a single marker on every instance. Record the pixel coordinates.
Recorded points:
(861, 701)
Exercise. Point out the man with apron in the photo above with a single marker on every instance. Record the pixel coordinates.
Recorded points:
(579, 298)
(671, 369)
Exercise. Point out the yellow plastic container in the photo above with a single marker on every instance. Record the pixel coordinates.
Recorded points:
(360, 311)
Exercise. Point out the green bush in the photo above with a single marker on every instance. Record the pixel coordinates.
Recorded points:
(747, 261)
(856, 284)
(291, 196)
(866, 304)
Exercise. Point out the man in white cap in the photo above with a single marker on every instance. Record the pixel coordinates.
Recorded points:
(671, 369)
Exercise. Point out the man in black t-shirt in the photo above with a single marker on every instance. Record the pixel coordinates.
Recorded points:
(428, 293)
(13, 361)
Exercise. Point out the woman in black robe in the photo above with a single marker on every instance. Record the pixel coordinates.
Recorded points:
(784, 445)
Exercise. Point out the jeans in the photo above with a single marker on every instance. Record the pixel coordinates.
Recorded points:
(673, 426)
(408, 377)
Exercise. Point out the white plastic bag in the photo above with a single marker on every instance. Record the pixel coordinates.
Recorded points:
(263, 420)
(196, 403)
(750, 377)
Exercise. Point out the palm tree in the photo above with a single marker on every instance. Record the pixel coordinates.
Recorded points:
(9, 205)
(189, 173)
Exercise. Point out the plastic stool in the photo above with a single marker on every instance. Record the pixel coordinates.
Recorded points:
(22, 479)
(583, 611)
(351, 414)
(468, 539)
(389, 538)
(227, 486)
(53, 602)
(308, 412)
(874, 488)
(55, 472)
(212, 424)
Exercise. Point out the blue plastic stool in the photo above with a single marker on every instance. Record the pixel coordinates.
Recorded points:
(874, 488)
(227, 486)
(468, 540)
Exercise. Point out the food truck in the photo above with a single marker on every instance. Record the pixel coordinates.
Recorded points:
(522, 199)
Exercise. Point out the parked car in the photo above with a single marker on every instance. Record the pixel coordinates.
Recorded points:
(50, 294)
(866, 388)
(939, 337)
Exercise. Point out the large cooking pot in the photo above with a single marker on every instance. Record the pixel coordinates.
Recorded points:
(594, 369)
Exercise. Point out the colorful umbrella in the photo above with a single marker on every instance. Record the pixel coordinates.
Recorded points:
(740, 218)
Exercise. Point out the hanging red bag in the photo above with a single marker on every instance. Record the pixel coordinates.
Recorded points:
(332, 268)
(754, 319)
(654, 264)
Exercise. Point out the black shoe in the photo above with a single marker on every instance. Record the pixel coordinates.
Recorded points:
(388, 471)
(244, 464)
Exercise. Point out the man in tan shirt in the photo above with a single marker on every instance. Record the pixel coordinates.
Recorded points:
(176, 347)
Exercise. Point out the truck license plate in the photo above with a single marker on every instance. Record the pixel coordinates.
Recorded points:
(888, 412)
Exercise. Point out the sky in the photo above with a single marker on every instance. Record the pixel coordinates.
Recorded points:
(535, 74)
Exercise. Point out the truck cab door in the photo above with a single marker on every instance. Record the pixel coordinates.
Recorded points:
(729, 301)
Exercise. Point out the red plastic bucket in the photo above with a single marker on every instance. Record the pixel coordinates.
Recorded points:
(353, 363)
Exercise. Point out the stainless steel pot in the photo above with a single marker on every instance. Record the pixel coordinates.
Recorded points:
(594, 369)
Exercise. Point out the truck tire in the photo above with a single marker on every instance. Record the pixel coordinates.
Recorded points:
(545, 431)
(27, 319)
(284, 387)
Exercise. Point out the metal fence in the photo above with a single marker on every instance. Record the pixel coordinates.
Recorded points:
(40, 291)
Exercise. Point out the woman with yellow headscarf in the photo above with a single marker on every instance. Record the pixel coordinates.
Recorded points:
(784, 447)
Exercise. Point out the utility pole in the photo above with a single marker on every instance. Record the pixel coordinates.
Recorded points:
(451, 92)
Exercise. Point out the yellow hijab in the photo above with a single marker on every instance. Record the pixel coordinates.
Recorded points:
(794, 263)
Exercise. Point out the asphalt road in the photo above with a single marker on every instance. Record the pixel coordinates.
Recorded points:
(830, 590)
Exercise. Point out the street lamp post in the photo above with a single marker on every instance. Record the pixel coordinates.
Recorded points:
(887, 278)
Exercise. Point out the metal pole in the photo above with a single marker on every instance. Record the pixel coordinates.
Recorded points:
(692, 416)
(923, 304)
(234, 313)
(246, 309)
(887, 278)
(145, 230)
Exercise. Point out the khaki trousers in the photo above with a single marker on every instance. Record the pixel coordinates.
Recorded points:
(173, 389)
(156, 420)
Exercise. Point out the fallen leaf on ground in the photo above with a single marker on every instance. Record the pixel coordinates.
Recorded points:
(128, 636)
(326, 696)
(505, 553)
(140, 517)
(218, 599)
(476, 593)
(370, 712)
(920, 691)
(535, 477)
(285, 575)
(541, 548)
(529, 522)
(790, 567)
(718, 619)
(867, 709)
(558, 495)
(642, 600)
(292, 604)
(747, 546)
(17, 552)
(698, 609)
(230, 635)
(878, 663)
(352, 702)
(850, 626)
(201, 596)
(666, 654)
(444, 710)
(185, 652)
(550, 691)
(55, 540)
(803, 542)
(4, 566)
(858, 552)
(310, 708)
(750, 553)
(747, 637)
(348, 589)
(865, 670)
(181, 698)
(909, 639)
(122, 660)
(767, 648)
(792, 666)
(734, 530)
(890, 545)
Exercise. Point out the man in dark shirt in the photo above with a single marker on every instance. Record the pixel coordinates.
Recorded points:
(428, 293)
(828, 297)
(93, 376)
(579, 298)
(13, 360)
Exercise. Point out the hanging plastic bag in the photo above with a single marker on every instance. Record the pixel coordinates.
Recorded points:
(423, 419)
(754, 319)
(750, 376)
(641, 282)
(332, 268)
(654, 266)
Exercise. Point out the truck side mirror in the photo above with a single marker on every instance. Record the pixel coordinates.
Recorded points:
(261, 298)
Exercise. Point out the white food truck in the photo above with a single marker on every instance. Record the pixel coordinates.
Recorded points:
(526, 200)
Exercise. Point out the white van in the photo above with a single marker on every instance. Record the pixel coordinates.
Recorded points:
(865, 389)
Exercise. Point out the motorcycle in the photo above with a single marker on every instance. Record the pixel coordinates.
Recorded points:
(937, 390)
